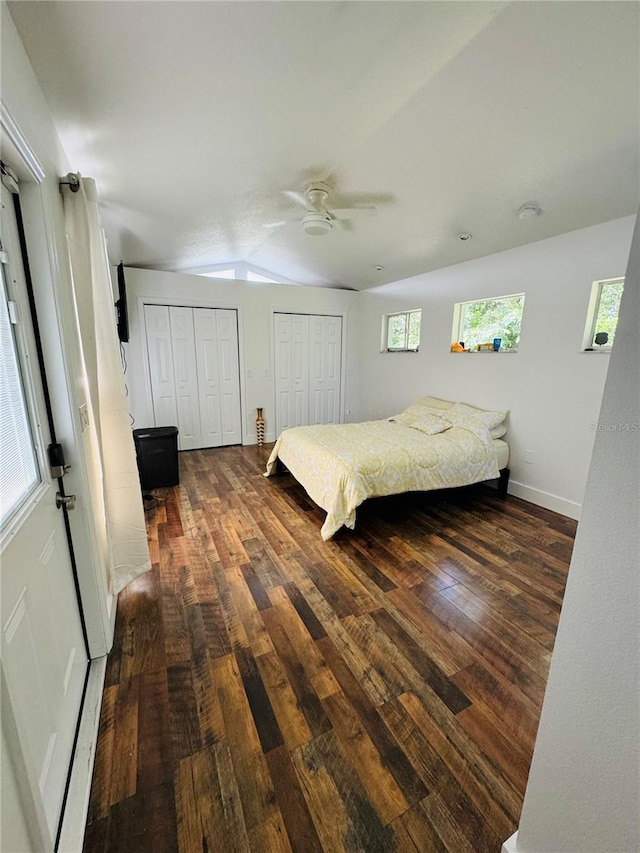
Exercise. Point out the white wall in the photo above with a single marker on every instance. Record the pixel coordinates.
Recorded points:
(255, 303)
(583, 792)
(552, 389)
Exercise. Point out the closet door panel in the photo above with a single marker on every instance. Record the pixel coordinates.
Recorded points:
(160, 356)
(292, 370)
(332, 369)
(317, 332)
(324, 369)
(283, 359)
(300, 369)
(186, 381)
(229, 375)
(206, 337)
(218, 364)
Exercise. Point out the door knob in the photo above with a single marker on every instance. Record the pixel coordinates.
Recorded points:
(66, 501)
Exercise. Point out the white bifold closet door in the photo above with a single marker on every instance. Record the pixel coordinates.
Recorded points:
(186, 378)
(195, 373)
(308, 358)
(292, 370)
(218, 367)
(160, 355)
(325, 350)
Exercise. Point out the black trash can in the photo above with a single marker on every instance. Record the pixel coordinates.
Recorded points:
(157, 452)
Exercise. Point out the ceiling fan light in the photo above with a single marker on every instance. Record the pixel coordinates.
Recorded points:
(316, 224)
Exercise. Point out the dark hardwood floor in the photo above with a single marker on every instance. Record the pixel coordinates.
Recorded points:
(268, 691)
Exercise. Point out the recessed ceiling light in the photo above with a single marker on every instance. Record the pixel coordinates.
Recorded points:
(464, 236)
(378, 268)
(529, 211)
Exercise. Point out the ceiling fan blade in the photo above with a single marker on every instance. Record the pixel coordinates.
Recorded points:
(298, 198)
(349, 212)
(277, 224)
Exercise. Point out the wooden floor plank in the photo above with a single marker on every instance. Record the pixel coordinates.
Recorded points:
(106, 752)
(189, 826)
(268, 691)
(124, 770)
(295, 812)
(155, 760)
(382, 789)
(250, 769)
(291, 719)
(331, 788)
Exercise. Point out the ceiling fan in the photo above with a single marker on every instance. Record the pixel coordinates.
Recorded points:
(319, 217)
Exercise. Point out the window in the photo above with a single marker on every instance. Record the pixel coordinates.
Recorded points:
(227, 273)
(239, 270)
(401, 331)
(254, 276)
(478, 323)
(18, 468)
(602, 315)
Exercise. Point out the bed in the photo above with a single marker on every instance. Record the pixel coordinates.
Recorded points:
(433, 444)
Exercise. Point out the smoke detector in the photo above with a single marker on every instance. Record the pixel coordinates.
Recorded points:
(316, 223)
(529, 211)
(464, 236)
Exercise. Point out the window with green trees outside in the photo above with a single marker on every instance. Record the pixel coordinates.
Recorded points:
(402, 331)
(602, 317)
(484, 320)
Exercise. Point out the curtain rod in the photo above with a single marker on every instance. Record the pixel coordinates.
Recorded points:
(72, 181)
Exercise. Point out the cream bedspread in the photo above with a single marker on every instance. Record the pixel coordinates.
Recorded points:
(341, 465)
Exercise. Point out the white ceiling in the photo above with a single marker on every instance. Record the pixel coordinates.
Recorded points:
(448, 116)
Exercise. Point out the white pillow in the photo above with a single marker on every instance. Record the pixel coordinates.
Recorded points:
(460, 413)
(434, 403)
(498, 432)
(421, 418)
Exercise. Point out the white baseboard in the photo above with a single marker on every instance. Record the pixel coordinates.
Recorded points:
(545, 499)
(77, 807)
(511, 844)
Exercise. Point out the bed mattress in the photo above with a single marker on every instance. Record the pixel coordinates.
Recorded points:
(342, 465)
(501, 449)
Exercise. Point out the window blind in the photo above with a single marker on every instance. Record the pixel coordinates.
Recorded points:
(18, 466)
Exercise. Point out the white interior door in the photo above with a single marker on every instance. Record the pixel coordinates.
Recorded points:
(160, 355)
(332, 369)
(325, 347)
(229, 374)
(44, 659)
(308, 359)
(292, 370)
(206, 337)
(186, 378)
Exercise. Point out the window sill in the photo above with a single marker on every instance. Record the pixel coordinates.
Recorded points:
(486, 352)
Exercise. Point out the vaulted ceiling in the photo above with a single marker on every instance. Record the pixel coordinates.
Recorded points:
(194, 117)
